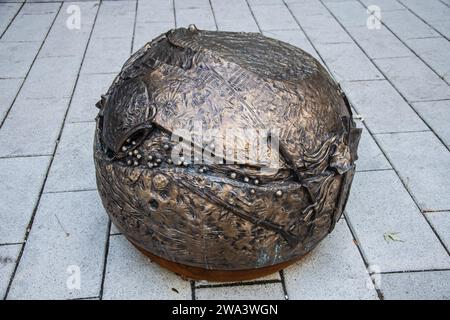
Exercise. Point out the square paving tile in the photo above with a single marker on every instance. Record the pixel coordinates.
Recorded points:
(16, 58)
(441, 224)
(406, 25)
(382, 106)
(370, 156)
(66, 245)
(73, 166)
(430, 285)
(89, 89)
(234, 15)
(32, 22)
(437, 116)
(8, 89)
(339, 56)
(425, 170)
(392, 232)
(414, 79)
(333, 270)
(26, 133)
(271, 291)
(22, 180)
(131, 275)
(435, 52)
(8, 259)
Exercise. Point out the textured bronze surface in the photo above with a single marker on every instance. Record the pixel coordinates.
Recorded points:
(224, 217)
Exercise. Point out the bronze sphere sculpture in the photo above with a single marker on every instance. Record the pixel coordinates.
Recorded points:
(236, 216)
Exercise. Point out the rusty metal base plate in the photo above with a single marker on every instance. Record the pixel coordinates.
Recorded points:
(196, 273)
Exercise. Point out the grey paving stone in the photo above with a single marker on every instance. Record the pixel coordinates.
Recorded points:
(234, 15)
(114, 229)
(39, 8)
(437, 115)
(8, 259)
(318, 23)
(26, 133)
(8, 91)
(406, 25)
(274, 276)
(370, 157)
(296, 38)
(22, 180)
(202, 17)
(264, 2)
(431, 285)
(115, 19)
(385, 5)
(131, 275)
(321, 28)
(333, 270)
(146, 32)
(430, 11)
(380, 207)
(153, 18)
(274, 17)
(382, 107)
(272, 291)
(379, 43)
(51, 78)
(88, 91)
(151, 11)
(425, 170)
(188, 4)
(62, 41)
(16, 58)
(7, 13)
(414, 79)
(347, 62)
(69, 232)
(441, 224)
(349, 13)
(106, 55)
(73, 166)
(435, 52)
(32, 23)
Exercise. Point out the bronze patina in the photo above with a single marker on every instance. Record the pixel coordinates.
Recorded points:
(221, 219)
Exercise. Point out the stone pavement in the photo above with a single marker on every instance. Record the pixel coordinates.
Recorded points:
(394, 241)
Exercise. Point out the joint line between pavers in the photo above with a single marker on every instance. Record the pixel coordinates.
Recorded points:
(237, 284)
(214, 15)
(105, 259)
(193, 297)
(307, 37)
(253, 15)
(27, 232)
(283, 284)
(414, 271)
